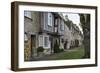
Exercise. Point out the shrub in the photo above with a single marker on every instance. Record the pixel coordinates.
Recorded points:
(56, 47)
(61, 50)
(40, 49)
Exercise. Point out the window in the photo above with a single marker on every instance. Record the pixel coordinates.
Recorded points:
(46, 41)
(49, 19)
(27, 14)
(40, 40)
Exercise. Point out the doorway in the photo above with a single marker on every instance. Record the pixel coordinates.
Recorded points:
(33, 46)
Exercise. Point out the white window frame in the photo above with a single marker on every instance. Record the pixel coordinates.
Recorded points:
(48, 46)
(50, 19)
(46, 42)
(40, 42)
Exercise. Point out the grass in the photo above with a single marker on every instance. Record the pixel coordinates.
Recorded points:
(76, 53)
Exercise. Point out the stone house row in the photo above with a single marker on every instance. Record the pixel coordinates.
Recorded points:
(44, 29)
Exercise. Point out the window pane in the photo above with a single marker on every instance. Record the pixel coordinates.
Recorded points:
(46, 41)
(40, 40)
(49, 19)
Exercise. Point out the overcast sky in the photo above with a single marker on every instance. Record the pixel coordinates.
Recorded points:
(75, 18)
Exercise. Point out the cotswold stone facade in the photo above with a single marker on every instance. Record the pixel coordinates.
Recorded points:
(44, 29)
(31, 29)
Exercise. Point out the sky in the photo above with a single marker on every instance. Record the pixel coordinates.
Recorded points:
(75, 18)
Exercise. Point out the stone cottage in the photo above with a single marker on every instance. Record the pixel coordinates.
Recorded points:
(42, 29)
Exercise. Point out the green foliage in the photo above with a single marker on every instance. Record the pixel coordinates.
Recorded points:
(61, 49)
(40, 49)
(77, 54)
(56, 47)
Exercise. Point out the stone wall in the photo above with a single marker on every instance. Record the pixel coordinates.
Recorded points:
(31, 27)
(27, 50)
(67, 37)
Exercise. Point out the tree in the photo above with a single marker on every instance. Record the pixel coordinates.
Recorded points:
(85, 24)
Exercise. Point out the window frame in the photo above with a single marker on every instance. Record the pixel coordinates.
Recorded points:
(50, 19)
